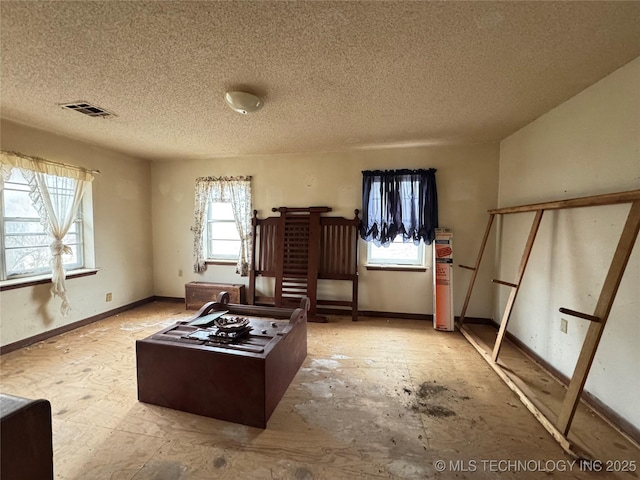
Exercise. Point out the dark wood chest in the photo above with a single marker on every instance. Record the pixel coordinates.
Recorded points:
(241, 382)
(198, 293)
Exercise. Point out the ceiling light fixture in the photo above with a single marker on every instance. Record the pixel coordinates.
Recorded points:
(243, 102)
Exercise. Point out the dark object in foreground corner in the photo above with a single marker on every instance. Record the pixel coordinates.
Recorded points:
(181, 367)
(26, 450)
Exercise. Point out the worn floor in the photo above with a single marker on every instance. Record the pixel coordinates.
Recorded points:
(376, 399)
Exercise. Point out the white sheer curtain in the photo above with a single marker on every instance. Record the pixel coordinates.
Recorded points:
(56, 193)
(237, 192)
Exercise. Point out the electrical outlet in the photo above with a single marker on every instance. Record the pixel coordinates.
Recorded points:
(109, 297)
(180, 272)
(563, 325)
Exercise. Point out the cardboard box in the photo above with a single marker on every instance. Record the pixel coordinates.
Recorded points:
(443, 318)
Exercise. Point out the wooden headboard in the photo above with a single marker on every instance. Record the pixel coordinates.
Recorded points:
(299, 247)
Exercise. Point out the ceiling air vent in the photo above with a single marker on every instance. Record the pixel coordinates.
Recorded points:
(87, 109)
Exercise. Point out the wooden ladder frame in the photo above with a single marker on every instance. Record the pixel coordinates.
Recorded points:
(558, 426)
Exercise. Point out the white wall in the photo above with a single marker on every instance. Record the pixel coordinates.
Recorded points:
(129, 195)
(122, 231)
(588, 145)
(467, 187)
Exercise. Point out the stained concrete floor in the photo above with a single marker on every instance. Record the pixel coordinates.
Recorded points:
(380, 398)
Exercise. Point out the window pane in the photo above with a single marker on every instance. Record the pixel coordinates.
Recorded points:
(61, 191)
(224, 249)
(397, 253)
(72, 259)
(27, 260)
(223, 231)
(223, 240)
(60, 185)
(37, 260)
(18, 204)
(16, 177)
(23, 227)
(12, 241)
(71, 238)
(220, 211)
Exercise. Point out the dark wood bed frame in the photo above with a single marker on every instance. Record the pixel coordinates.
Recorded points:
(297, 249)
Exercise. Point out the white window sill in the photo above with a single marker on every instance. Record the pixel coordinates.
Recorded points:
(44, 278)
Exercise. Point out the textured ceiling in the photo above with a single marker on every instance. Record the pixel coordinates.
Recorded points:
(334, 75)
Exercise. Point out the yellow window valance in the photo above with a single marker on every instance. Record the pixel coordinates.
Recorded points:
(9, 160)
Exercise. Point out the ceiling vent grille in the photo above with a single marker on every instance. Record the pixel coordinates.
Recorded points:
(87, 109)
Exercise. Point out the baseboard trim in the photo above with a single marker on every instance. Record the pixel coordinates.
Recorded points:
(158, 298)
(403, 316)
(478, 321)
(400, 315)
(600, 408)
(25, 342)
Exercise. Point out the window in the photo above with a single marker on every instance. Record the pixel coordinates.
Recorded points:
(397, 253)
(25, 242)
(399, 216)
(222, 222)
(399, 203)
(222, 238)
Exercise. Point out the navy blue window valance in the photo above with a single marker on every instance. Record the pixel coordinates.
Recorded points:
(399, 202)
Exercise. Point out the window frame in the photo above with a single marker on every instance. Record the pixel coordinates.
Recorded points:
(80, 243)
(419, 261)
(211, 221)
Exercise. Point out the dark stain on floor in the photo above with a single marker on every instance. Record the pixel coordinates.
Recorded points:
(219, 462)
(438, 411)
(430, 389)
(303, 473)
(430, 400)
